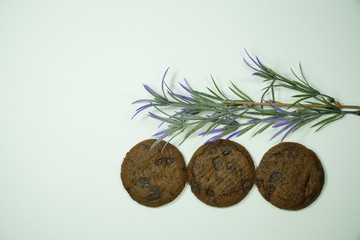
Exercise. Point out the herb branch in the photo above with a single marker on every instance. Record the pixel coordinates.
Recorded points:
(215, 115)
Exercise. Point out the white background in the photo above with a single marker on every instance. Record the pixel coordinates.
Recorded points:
(69, 70)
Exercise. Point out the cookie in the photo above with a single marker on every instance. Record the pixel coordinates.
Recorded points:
(153, 177)
(290, 176)
(221, 173)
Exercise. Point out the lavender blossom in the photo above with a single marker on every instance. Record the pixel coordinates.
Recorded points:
(213, 139)
(211, 132)
(186, 88)
(161, 133)
(182, 97)
(232, 120)
(234, 134)
(159, 118)
(274, 120)
(289, 131)
(282, 124)
(152, 92)
(142, 108)
(282, 130)
(280, 110)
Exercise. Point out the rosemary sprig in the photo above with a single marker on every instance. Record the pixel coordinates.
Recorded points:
(214, 113)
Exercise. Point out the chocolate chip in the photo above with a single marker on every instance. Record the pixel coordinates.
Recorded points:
(276, 155)
(259, 182)
(195, 187)
(160, 161)
(317, 163)
(153, 188)
(128, 189)
(169, 161)
(235, 147)
(171, 193)
(240, 171)
(246, 185)
(269, 190)
(210, 193)
(229, 165)
(216, 160)
(218, 179)
(154, 196)
(225, 150)
(196, 165)
(217, 163)
(312, 195)
(275, 177)
(144, 183)
(290, 154)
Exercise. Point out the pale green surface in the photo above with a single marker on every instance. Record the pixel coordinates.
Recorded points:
(69, 70)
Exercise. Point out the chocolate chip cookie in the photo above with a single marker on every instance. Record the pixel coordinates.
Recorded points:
(153, 177)
(221, 173)
(290, 176)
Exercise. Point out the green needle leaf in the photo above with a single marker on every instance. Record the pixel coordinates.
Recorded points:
(217, 88)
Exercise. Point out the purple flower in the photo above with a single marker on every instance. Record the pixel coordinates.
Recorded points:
(141, 100)
(235, 133)
(280, 110)
(142, 108)
(186, 88)
(282, 124)
(289, 131)
(217, 130)
(161, 124)
(152, 92)
(214, 120)
(193, 113)
(187, 83)
(274, 120)
(159, 118)
(175, 95)
(185, 111)
(213, 139)
(253, 120)
(188, 112)
(161, 133)
(282, 130)
(260, 74)
(213, 131)
(163, 79)
(258, 61)
(175, 115)
(232, 120)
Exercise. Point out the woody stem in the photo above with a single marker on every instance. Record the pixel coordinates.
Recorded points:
(279, 104)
